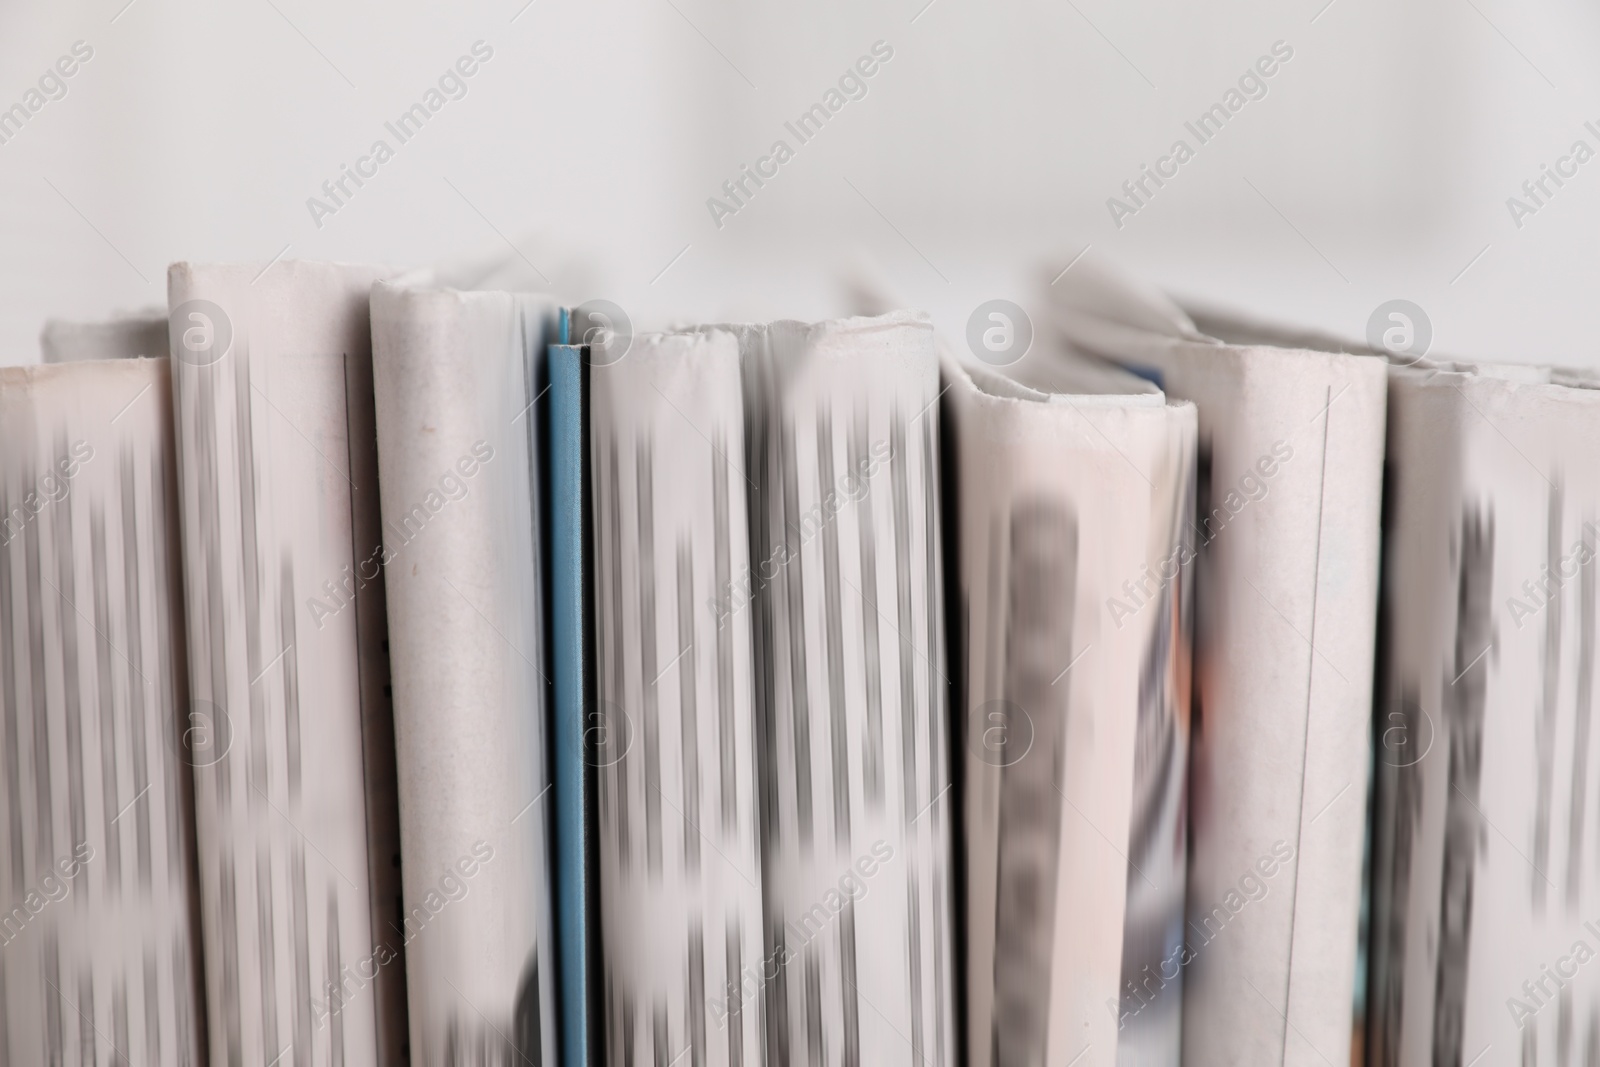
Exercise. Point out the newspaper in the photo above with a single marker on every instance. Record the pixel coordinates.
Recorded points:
(1071, 508)
(457, 378)
(294, 780)
(99, 932)
(1486, 898)
(674, 731)
(847, 607)
(774, 795)
(1290, 458)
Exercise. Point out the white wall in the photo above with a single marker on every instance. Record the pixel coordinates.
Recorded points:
(983, 152)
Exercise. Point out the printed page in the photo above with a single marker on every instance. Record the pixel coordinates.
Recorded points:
(1486, 900)
(674, 734)
(848, 613)
(99, 924)
(294, 796)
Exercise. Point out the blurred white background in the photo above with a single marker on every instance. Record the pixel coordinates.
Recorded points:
(978, 164)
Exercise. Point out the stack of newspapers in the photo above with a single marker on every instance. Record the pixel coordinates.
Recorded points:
(392, 672)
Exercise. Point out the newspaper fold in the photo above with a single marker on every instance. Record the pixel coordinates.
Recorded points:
(847, 604)
(775, 861)
(1072, 505)
(1486, 885)
(1290, 459)
(294, 775)
(675, 737)
(99, 924)
(458, 382)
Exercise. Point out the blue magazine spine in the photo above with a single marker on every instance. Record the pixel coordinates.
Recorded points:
(572, 637)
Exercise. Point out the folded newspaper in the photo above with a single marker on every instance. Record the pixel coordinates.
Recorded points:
(680, 870)
(99, 924)
(457, 377)
(845, 587)
(294, 766)
(1486, 889)
(775, 858)
(1290, 459)
(1073, 493)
